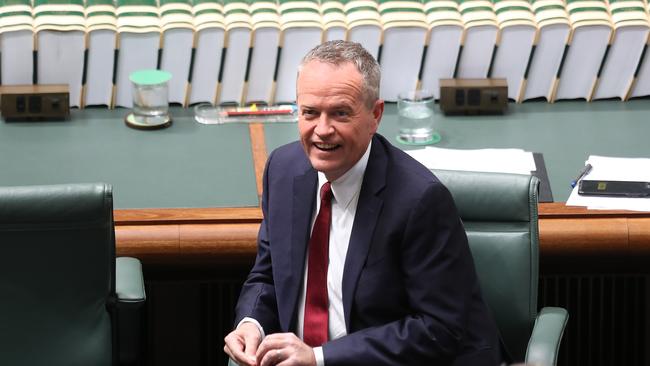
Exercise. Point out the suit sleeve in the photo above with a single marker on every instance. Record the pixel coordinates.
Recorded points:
(257, 298)
(439, 279)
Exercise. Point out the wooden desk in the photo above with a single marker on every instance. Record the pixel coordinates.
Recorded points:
(571, 238)
(191, 192)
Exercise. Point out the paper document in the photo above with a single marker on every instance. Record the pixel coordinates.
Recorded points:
(619, 169)
(514, 161)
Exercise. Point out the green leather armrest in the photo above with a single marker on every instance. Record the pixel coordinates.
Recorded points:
(547, 334)
(129, 282)
(129, 287)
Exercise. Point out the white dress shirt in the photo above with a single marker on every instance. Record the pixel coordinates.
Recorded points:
(345, 196)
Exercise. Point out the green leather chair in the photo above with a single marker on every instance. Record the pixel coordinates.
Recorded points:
(64, 297)
(499, 212)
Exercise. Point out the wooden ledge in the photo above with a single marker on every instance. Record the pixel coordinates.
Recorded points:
(230, 234)
(163, 216)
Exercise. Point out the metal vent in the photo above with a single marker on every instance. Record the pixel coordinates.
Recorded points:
(608, 322)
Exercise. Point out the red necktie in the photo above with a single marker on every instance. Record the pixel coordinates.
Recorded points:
(316, 302)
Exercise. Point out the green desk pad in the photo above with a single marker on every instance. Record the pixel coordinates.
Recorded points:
(566, 133)
(185, 165)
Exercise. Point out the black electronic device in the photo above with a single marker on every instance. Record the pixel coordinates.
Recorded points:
(473, 96)
(612, 188)
(35, 102)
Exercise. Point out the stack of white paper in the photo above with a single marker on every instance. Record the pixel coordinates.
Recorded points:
(514, 161)
(619, 169)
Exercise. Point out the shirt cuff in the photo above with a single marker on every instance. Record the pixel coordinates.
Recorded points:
(318, 353)
(259, 326)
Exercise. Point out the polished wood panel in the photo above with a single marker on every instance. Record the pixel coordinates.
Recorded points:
(639, 230)
(575, 239)
(158, 216)
(559, 209)
(573, 236)
(148, 242)
(171, 236)
(227, 241)
(229, 234)
(566, 230)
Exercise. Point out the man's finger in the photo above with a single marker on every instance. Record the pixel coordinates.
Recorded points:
(270, 343)
(236, 349)
(250, 349)
(273, 357)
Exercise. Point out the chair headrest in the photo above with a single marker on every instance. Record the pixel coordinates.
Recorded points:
(482, 196)
(63, 204)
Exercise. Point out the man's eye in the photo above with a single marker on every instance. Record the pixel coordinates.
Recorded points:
(341, 114)
(309, 113)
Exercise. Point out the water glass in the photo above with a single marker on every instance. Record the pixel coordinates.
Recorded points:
(150, 97)
(415, 118)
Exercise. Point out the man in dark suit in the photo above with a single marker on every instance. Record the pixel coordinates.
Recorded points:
(397, 284)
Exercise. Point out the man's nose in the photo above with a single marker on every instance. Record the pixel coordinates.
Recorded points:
(324, 125)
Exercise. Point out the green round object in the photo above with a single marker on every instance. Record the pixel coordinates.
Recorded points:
(150, 77)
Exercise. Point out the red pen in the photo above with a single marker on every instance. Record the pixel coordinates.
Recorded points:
(267, 112)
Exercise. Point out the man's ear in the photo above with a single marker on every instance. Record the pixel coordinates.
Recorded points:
(378, 111)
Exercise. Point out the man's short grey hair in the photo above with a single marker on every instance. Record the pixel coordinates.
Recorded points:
(341, 52)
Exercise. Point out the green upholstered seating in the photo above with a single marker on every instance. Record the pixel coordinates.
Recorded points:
(66, 299)
(499, 212)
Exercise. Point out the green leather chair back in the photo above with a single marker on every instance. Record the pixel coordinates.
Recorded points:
(56, 275)
(499, 212)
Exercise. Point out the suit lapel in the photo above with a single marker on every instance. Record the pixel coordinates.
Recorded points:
(304, 187)
(368, 209)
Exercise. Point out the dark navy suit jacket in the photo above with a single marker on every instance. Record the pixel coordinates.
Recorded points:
(410, 292)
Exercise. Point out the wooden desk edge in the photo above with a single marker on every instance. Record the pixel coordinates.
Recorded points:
(223, 234)
(163, 216)
(560, 209)
(570, 231)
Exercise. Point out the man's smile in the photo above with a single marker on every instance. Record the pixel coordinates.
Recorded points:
(326, 147)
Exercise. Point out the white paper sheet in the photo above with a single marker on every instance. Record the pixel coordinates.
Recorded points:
(515, 161)
(610, 168)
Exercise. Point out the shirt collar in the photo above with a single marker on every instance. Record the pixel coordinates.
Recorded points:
(349, 184)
